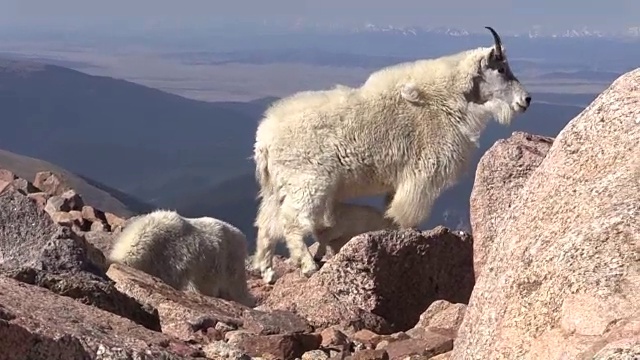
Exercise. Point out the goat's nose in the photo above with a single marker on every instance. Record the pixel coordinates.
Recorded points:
(528, 100)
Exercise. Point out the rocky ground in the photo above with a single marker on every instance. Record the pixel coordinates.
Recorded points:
(552, 271)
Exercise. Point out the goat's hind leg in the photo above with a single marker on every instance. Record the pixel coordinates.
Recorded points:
(411, 204)
(263, 257)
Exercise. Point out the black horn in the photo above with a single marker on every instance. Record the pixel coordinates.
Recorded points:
(498, 42)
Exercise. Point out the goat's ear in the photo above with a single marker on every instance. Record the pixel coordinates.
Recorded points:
(411, 93)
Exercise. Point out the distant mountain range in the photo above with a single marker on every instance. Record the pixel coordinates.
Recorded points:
(536, 32)
(136, 139)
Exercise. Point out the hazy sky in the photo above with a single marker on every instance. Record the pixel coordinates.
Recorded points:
(503, 14)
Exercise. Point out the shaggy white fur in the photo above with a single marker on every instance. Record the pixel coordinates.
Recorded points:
(409, 131)
(204, 255)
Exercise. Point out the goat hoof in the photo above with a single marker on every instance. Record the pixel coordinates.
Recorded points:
(269, 276)
(309, 269)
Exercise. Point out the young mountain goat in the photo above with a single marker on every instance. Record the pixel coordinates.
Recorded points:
(204, 255)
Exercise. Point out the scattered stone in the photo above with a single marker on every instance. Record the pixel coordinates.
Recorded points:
(114, 221)
(50, 183)
(430, 345)
(315, 355)
(441, 315)
(99, 226)
(24, 186)
(367, 338)
(40, 198)
(92, 214)
(40, 325)
(334, 339)
(222, 350)
(56, 204)
(369, 354)
(7, 176)
(282, 346)
(72, 200)
(276, 322)
(37, 251)
(4, 185)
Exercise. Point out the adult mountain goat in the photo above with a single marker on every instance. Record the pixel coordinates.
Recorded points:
(409, 132)
(204, 255)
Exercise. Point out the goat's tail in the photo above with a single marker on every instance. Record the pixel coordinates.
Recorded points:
(268, 216)
(262, 174)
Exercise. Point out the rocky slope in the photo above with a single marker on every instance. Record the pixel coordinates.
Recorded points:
(94, 193)
(552, 272)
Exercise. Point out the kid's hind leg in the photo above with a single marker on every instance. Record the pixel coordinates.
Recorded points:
(298, 250)
(320, 236)
(306, 209)
(294, 232)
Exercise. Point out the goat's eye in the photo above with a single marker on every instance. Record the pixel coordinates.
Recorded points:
(501, 70)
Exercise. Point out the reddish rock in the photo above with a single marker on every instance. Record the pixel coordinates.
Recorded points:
(501, 174)
(37, 251)
(39, 325)
(257, 288)
(101, 240)
(71, 219)
(319, 305)
(40, 198)
(114, 221)
(62, 218)
(181, 313)
(222, 350)
(359, 286)
(430, 345)
(441, 315)
(334, 339)
(561, 275)
(50, 183)
(445, 356)
(79, 222)
(234, 337)
(276, 322)
(56, 204)
(315, 355)
(385, 340)
(6, 175)
(72, 200)
(24, 186)
(367, 338)
(282, 346)
(99, 226)
(4, 185)
(369, 354)
(92, 214)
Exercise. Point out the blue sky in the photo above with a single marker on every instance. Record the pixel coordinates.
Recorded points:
(503, 14)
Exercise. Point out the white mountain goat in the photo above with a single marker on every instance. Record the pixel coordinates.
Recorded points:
(409, 132)
(204, 255)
